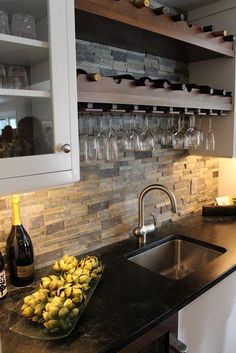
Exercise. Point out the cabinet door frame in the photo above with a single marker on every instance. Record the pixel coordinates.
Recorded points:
(31, 172)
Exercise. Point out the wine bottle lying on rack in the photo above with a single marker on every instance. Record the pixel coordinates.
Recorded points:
(209, 28)
(162, 11)
(91, 77)
(229, 94)
(191, 86)
(161, 83)
(230, 38)
(141, 3)
(220, 92)
(142, 81)
(206, 90)
(219, 33)
(179, 17)
(177, 86)
(118, 79)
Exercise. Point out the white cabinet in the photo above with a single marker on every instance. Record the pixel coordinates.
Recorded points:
(207, 325)
(218, 73)
(47, 108)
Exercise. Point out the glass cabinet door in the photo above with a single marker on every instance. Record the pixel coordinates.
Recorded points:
(37, 87)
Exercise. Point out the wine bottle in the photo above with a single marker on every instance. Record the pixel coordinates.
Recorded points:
(206, 90)
(220, 92)
(19, 249)
(178, 86)
(219, 33)
(230, 38)
(118, 79)
(179, 17)
(209, 28)
(162, 11)
(91, 77)
(141, 3)
(161, 83)
(191, 86)
(142, 81)
(3, 282)
(229, 94)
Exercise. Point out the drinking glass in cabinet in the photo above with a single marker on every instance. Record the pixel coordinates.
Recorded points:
(23, 25)
(2, 76)
(17, 77)
(4, 23)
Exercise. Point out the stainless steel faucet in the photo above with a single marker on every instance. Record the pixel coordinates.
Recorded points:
(142, 230)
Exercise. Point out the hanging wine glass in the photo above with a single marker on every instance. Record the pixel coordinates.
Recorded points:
(91, 141)
(101, 139)
(132, 137)
(210, 138)
(178, 141)
(111, 143)
(158, 131)
(193, 135)
(146, 138)
(167, 136)
(121, 136)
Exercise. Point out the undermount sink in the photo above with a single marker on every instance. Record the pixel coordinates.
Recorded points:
(176, 256)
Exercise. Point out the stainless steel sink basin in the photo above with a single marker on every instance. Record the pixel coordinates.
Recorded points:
(176, 257)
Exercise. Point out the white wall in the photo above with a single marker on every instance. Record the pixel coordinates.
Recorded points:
(227, 177)
(221, 14)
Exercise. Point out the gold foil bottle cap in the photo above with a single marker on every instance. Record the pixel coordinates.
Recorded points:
(15, 198)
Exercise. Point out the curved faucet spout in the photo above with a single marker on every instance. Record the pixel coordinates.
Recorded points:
(141, 230)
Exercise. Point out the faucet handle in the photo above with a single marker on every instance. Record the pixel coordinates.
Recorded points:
(154, 219)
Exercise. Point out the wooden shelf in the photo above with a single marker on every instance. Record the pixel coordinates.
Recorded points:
(121, 24)
(22, 51)
(26, 93)
(107, 91)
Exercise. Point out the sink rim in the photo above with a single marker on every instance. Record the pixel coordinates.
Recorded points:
(169, 238)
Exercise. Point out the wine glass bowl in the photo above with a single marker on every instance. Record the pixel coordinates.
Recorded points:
(210, 138)
(146, 137)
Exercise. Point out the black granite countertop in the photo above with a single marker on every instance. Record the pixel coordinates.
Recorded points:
(130, 299)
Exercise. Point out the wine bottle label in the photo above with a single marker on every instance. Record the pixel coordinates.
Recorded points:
(3, 284)
(25, 271)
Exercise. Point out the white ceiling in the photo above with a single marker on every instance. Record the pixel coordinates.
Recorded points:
(186, 5)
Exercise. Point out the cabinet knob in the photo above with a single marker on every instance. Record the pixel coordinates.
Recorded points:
(66, 148)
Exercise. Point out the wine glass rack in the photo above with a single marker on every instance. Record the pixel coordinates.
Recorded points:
(106, 91)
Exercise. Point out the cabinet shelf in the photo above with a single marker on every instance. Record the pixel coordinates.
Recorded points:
(106, 91)
(122, 25)
(26, 93)
(22, 51)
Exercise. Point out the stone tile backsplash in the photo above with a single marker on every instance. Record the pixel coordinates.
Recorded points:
(109, 61)
(102, 207)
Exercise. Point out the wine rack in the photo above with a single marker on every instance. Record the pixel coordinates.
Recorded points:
(106, 91)
(143, 30)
